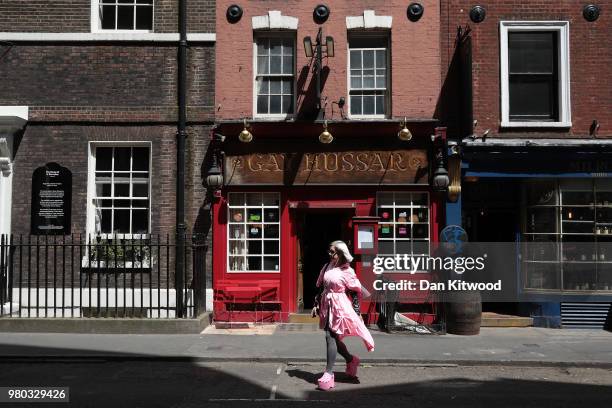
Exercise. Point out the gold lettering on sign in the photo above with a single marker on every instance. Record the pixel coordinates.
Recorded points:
(252, 164)
(396, 162)
(331, 164)
(346, 164)
(360, 160)
(376, 162)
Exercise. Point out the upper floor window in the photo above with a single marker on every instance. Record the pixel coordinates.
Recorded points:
(368, 76)
(274, 76)
(535, 74)
(131, 15)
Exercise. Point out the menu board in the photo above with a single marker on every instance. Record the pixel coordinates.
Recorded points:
(51, 200)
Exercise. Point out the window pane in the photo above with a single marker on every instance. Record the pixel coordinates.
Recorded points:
(262, 104)
(270, 199)
(275, 86)
(140, 190)
(106, 221)
(355, 105)
(144, 1)
(261, 47)
(104, 156)
(275, 47)
(288, 65)
(368, 105)
(275, 104)
(368, 81)
(140, 221)
(253, 199)
(287, 86)
(271, 247)
(271, 231)
(356, 82)
(532, 97)
(263, 86)
(287, 104)
(122, 158)
(254, 263)
(287, 47)
(122, 221)
(380, 104)
(254, 247)
(381, 61)
(107, 17)
(103, 190)
(270, 263)
(275, 65)
(368, 59)
(125, 18)
(531, 52)
(262, 65)
(355, 59)
(122, 190)
(381, 82)
(144, 18)
(236, 199)
(140, 159)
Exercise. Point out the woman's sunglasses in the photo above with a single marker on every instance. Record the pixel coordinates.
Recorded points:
(332, 253)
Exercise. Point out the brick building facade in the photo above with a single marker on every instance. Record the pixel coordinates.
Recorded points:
(289, 189)
(99, 87)
(531, 84)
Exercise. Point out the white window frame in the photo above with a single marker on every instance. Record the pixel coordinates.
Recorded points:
(245, 255)
(96, 21)
(387, 98)
(562, 28)
(91, 188)
(274, 34)
(409, 222)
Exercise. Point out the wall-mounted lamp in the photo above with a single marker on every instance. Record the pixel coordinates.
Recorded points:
(245, 136)
(316, 51)
(325, 137)
(214, 178)
(404, 133)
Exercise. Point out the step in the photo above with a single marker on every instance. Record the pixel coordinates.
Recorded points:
(490, 319)
(302, 318)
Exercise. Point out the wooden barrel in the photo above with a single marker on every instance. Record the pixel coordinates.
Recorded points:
(463, 311)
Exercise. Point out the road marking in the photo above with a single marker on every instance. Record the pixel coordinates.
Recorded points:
(279, 371)
(273, 392)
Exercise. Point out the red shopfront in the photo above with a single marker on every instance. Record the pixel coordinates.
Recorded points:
(281, 205)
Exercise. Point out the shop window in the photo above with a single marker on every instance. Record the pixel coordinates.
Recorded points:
(535, 74)
(121, 191)
(368, 76)
(568, 235)
(253, 232)
(404, 223)
(130, 15)
(274, 76)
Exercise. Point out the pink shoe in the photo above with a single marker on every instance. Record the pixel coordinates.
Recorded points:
(326, 382)
(351, 368)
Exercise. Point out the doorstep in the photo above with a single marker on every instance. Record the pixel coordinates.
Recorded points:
(104, 325)
(490, 319)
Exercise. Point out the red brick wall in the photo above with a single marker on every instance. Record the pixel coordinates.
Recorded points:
(590, 61)
(415, 54)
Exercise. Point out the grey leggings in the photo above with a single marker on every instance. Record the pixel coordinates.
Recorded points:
(334, 345)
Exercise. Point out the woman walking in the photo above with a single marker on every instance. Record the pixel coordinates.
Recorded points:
(336, 314)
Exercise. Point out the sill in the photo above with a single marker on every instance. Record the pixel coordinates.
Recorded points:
(92, 266)
(367, 117)
(272, 118)
(110, 35)
(508, 124)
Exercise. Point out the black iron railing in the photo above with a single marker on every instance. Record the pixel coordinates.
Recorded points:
(102, 276)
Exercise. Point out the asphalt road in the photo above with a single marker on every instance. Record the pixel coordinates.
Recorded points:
(99, 383)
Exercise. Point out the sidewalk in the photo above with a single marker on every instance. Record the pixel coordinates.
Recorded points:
(509, 346)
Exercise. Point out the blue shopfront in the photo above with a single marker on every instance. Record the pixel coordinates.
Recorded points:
(553, 199)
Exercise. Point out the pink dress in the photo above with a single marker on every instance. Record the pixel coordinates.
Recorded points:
(337, 307)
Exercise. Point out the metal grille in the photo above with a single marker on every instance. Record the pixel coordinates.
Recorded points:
(585, 315)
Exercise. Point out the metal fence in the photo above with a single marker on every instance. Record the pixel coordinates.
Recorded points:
(102, 276)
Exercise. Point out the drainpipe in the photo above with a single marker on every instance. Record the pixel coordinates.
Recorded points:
(180, 159)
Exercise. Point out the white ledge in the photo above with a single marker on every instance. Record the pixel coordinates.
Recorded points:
(369, 20)
(14, 111)
(505, 124)
(274, 21)
(110, 36)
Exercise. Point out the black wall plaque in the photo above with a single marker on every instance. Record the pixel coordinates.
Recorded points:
(51, 200)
